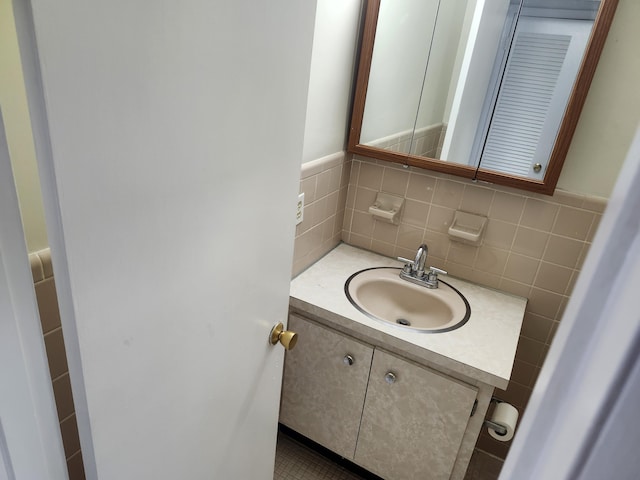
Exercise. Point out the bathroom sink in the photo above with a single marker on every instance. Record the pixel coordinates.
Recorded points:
(381, 294)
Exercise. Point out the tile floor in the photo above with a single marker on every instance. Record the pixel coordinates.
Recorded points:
(295, 461)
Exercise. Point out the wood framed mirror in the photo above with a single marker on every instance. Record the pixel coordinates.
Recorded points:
(490, 90)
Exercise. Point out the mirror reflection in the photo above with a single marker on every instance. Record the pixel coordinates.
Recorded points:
(475, 82)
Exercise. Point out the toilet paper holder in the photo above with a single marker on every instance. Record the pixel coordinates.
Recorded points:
(499, 429)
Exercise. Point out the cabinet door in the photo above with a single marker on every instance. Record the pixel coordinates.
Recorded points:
(413, 420)
(322, 393)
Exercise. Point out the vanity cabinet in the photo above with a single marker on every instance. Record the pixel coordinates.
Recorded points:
(324, 386)
(397, 419)
(413, 420)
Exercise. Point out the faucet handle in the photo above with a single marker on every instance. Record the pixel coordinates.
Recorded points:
(409, 265)
(432, 277)
(436, 271)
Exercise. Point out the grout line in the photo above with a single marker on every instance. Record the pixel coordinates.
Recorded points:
(79, 451)
(72, 414)
(66, 372)
(50, 332)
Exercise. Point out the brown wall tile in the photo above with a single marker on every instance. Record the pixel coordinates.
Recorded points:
(523, 373)
(47, 304)
(499, 234)
(536, 327)
(542, 302)
(529, 350)
(477, 200)
(384, 232)
(491, 445)
(521, 269)
(37, 271)
(515, 394)
(530, 242)
(63, 396)
(448, 193)
(364, 199)
(507, 207)
(415, 213)
(461, 253)
(308, 186)
(370, 176)
(563, 251)
(573, 222)
(515, 288)
(440, 218)
(553, 277)
(491, 260)
(594, 227)
(362, 223)
(325, 185)
(395, 181)
(597, 205)
(421, 187)
(54, 344)
(438, 244)
(76, 467)
(538, 214)
(70, 437)
(409, 236)
(388, 249)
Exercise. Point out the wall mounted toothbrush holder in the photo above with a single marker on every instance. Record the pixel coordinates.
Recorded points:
(467, 228)
(387, 208)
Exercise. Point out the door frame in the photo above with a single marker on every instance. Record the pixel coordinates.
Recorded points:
(30, 440)
(29, 57)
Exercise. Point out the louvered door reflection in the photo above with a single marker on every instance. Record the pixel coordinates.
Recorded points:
(540, 71)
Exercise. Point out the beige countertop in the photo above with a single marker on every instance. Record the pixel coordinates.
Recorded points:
(483, 349)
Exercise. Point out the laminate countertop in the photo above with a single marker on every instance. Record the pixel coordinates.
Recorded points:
(483, 349)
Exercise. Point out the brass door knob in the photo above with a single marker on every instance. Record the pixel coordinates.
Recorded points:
(287, 338)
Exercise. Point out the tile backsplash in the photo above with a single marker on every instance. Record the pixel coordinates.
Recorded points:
(324, 182)
(534, 246)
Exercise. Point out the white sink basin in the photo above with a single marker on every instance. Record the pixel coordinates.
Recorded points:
(381, 294)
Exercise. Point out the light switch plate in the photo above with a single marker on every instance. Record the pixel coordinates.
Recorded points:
(300, 209)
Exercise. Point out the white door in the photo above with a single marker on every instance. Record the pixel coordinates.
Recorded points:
(170, 164)
(30, 443)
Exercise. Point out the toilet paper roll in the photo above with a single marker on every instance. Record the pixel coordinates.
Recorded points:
(506, 415)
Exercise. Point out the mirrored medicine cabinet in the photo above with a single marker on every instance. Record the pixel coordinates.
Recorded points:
(484, 89)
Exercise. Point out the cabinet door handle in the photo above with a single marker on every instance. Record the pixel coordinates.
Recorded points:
(348, 360)
(390, 378)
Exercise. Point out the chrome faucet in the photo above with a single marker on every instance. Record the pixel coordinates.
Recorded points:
(421, 259)
(413, 270)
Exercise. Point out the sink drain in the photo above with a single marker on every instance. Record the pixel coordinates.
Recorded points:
(403, 321)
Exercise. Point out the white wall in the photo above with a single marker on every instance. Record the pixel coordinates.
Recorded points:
(396, 83)
(442, 59)
(332, 76)
(611, 113)
(18, 125)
